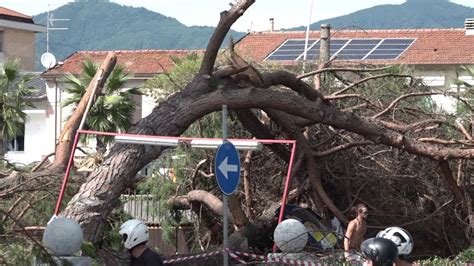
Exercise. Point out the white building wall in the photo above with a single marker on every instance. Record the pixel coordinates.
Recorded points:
(45, 123)
(443, 79)
(148, 103)
(36, 142)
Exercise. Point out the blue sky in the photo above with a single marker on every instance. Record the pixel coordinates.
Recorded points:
(287, 13)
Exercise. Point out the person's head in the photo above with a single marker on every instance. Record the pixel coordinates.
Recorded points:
(134, 232)
(361, 210)
(400, 237)
(379, 251)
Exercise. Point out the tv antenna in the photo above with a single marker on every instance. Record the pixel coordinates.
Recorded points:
(50, 26)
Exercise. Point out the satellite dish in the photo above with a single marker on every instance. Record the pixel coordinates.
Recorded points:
(48, 60)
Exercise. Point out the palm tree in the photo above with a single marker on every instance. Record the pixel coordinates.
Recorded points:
(13, 90)
(466, 95)
(112, 109)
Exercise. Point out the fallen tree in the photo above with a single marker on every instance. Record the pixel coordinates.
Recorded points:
(339, 135)
(290, 102)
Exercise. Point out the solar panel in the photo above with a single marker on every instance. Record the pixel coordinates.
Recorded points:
(398, 41)
(343, 49)
(357, 49)
(290, 50)
(334, 46)
(390, 49)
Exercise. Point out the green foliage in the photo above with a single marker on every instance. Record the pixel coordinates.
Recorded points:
(112, 110)
(112, 228)
(466, 94)
(88, 249)
(466, 256)
(126, 28)
(16, 254)
(463, 258)
(13, 90)
(165, 84)
(433, 261)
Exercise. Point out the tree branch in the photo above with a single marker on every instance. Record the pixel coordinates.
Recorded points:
(260, 131)
(289, 80)
(446, 142)
(227, 19)
(314, 176)
(447, 174)
(394, 102)
(370, 78)
(460, 127)
(288, 102)
(319, 71)
(341, 148)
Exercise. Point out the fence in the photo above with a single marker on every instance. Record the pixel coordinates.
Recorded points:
(152, 211)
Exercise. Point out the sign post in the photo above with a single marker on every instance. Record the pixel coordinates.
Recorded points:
(227, 170)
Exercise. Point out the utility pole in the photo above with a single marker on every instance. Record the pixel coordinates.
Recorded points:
(325, 47)
(49, 23)
(324, 54)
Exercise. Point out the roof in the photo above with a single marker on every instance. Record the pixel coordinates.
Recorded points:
(136, 62)
(431, 46)
(12, 15)
(39, 85)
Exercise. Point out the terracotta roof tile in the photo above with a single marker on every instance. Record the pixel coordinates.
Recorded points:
(137, 62)
(432, 46)
(12, 13)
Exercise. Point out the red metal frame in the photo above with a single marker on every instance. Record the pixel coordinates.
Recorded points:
(267, 141)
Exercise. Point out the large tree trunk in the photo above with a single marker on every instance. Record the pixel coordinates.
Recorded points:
(66, 138)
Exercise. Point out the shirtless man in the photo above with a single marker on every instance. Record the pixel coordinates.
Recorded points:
(355, 232)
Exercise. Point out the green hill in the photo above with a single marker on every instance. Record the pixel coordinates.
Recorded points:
(410, 15)
(102, 25)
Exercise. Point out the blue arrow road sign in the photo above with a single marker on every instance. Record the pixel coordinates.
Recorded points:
(227, 167)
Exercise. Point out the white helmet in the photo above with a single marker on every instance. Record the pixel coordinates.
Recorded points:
(134, 232)
(400, 237)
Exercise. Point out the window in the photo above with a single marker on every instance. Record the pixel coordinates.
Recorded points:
(17, 143)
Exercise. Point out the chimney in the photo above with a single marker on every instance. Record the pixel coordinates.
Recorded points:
(325, 45)
(469, 26)
(272, 24)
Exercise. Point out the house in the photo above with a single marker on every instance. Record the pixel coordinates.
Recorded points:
(17, 37)
(46, 121)
(436, 55)
(17, 40)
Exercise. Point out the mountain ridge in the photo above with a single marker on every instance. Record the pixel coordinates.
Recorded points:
(102, 25)
(410, 15)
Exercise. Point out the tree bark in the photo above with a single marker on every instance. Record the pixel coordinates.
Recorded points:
(66, 138)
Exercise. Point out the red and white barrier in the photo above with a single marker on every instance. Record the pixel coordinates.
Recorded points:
(237, 256)
(276, 259)
(193, 257)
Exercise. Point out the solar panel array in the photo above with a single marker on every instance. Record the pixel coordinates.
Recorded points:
(342, 49)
